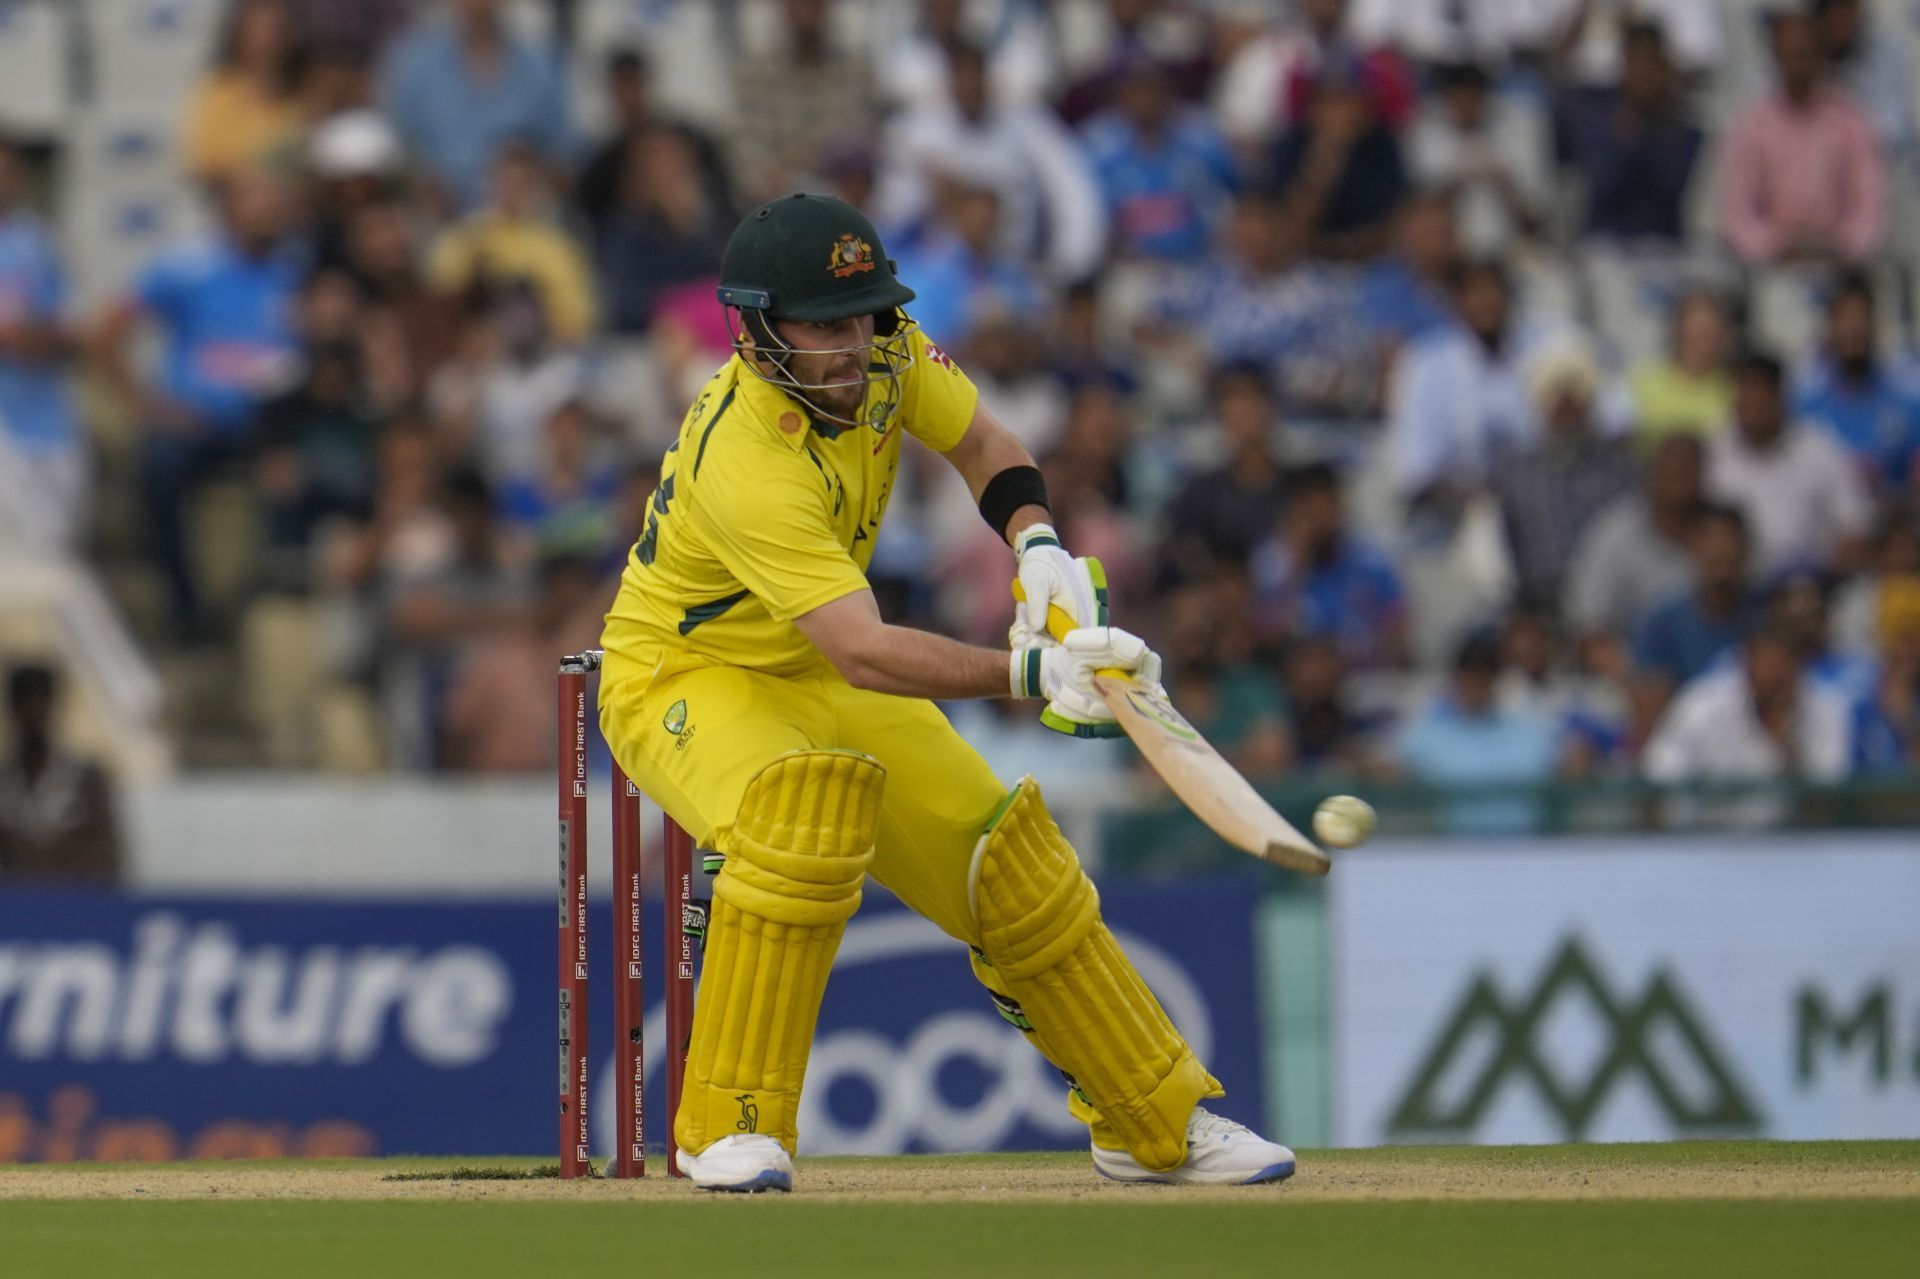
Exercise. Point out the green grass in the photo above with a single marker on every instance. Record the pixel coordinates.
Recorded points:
(1152, 1233)
(710, 1238)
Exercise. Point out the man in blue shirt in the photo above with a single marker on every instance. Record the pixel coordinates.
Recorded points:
(461, 84)
(1164, 168)
(1850, 391)
(1682, 637)
(1465, 740)
(38, 428)
(1313, 577)
(223, 307)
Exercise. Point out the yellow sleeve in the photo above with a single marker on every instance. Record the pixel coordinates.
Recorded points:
(938, 402)
(569, 289)
(771, 526)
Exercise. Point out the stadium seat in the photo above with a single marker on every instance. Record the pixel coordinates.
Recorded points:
(35, 67)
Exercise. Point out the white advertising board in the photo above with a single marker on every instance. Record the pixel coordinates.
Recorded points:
(1627, 989)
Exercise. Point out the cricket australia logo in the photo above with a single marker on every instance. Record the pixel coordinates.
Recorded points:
(676, 717)
(851, 255)
(1489, 1044)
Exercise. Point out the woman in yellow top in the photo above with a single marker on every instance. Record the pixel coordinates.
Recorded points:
(247, 107)
(1691, 389)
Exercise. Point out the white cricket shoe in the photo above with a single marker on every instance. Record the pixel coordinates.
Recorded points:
(746, 1162)
(1220, 1152)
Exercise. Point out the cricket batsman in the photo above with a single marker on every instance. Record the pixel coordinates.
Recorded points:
(750, 687)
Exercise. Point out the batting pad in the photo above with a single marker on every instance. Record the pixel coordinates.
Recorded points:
(795, 859)
(1041, 937)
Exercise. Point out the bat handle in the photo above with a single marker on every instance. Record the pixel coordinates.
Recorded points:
(1058, 624)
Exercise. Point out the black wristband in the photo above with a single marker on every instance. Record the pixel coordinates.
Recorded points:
(1007, 492)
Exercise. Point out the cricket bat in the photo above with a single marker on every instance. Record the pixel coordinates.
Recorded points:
(1211, 788)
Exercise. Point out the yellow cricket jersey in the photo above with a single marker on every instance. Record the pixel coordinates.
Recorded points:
(765, 513)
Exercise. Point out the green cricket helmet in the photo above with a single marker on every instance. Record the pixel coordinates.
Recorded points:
(813, 258)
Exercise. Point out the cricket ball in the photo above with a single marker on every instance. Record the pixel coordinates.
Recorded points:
(1343, 821)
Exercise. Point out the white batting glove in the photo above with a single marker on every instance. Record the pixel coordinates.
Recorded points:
(1049, 576)
(1064, 675)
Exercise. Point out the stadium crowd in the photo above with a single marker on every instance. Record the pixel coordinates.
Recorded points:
(1471, 392)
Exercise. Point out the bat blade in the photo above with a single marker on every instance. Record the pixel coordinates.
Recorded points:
(1205, 782)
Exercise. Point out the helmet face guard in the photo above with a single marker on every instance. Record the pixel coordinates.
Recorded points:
(886, 360)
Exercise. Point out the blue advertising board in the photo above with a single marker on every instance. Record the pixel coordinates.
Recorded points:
(153, 1028)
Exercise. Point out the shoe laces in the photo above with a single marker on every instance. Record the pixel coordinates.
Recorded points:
(1205, 1123)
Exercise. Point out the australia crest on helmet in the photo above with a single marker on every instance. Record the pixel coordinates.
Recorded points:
(851, 255)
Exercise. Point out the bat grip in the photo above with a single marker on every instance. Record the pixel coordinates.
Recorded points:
(1058, 624)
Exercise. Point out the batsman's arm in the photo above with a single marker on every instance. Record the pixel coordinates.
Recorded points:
(872, 655)
(987, 449)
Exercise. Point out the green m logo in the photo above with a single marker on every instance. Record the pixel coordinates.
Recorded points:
(1489, 1044)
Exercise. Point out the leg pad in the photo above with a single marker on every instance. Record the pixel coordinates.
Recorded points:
(796, 857)
(1043, 946)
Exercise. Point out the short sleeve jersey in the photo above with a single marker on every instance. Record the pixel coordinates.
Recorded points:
(765, 512)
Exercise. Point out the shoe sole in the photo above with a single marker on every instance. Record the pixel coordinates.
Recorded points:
(1271, 1173)
(769, 1179)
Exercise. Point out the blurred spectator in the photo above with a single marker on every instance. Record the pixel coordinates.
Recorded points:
(56, 810)
(356, 160)
(224, 309)
(491, 398)
(1237, 706)
(1164, 170)
(515, 238)
(1339, 173)
(1633, 145)
(1758, 719)
(1594, 38)
(1848, 388)
(1007, 359)
(1691, 390)
(1172, 37)
(1798, 606)
(603, 186)
(41, 435)
(1092, 451)
(419, 325)
(455, 585)
(567, 505)
(316, 454)
(1682, 636)
(1458, 400)
(1222, 514)
(1268, 83)
(461, 84)
(1490, 152)
(1404, 294)
(664, 230)
(915, 72)
(1326, 732)
(1592, 714)
(958, 266)
(1313, 576)
(1887, 723)
(1552, 490)
(247, 109)
(1251, 301)
(495, 716)
(1803, 180)
(1868, 57)
(1053, 214)
(1082, 350)
(1634, 554)
(1800, 493)
(1894, 555)
(1464, 739)
(798, 96)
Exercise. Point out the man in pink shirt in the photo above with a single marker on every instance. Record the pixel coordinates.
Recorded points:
(1803, 181)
